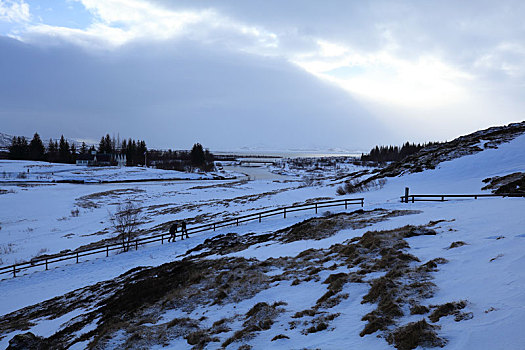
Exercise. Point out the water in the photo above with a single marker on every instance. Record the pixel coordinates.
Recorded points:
(257, 172)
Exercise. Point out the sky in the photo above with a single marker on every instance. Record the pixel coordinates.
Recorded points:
(261, 74)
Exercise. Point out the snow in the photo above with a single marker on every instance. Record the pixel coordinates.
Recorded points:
(487, 271)
(34, 171)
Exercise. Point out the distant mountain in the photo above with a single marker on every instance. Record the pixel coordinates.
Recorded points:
(5, 141)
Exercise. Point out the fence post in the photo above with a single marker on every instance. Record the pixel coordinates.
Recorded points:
(136, 244)
(413, 198)
(442, 198)
(362, 202)
(259, 217)
(77, 257)
(346, 204)
(285, 213)
(406, 194)
(316, 208)
(14, 270)
(237, 221)
(161, 239)
(107, 251)
(213, 226)
(46, 264)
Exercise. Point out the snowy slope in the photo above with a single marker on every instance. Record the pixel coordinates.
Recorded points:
(486, 271)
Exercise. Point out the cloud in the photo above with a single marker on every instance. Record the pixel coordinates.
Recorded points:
(117, 22)
(174, 94)
(430, 69)
(14, 11)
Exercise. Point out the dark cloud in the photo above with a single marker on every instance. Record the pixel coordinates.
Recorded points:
(174, 94)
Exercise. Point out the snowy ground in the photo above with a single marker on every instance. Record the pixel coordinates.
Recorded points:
(487, 271)
(22, 171)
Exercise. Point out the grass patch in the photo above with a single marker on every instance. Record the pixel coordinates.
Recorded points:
(447, 309)
(415, 334)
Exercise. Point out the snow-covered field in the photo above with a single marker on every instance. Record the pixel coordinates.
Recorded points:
(486, 271)
(22, 171)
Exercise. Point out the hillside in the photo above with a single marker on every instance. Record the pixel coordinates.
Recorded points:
(390, 275)
(429, 157)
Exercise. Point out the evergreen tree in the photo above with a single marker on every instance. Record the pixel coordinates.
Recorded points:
(106, 145)
(19, 149)
(52, 149)
(141, 152)
(102, 145)
(197, 155)
(73, 152)
(83, 148)
(64, 154)
(109, 144)
(36, 148)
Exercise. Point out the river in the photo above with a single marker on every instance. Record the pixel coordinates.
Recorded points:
(257, 172)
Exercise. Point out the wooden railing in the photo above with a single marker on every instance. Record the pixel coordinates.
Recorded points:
(443, 197)
(106, 249)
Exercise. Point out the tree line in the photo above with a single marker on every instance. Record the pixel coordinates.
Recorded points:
(393, 153)
(56, 151)
(63, 152)
(136, 152)
(181, 160)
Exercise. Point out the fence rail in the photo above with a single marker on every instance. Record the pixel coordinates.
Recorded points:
(442, 197)
(106, 249)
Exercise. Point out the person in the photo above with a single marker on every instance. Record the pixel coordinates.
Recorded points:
(183, 230)
(173, 232)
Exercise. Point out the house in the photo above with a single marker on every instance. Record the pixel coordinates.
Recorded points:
(101, 159)
(86, 159)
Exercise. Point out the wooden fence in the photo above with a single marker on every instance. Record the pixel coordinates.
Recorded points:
(106, 249)
(443, 197)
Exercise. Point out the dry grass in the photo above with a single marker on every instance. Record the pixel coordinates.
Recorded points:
(447, 309)
(415, 334)
(456, 244)
(280, 336)
(259, 318)
(129, 303)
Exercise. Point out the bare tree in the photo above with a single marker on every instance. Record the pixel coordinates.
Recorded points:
(125, 221)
